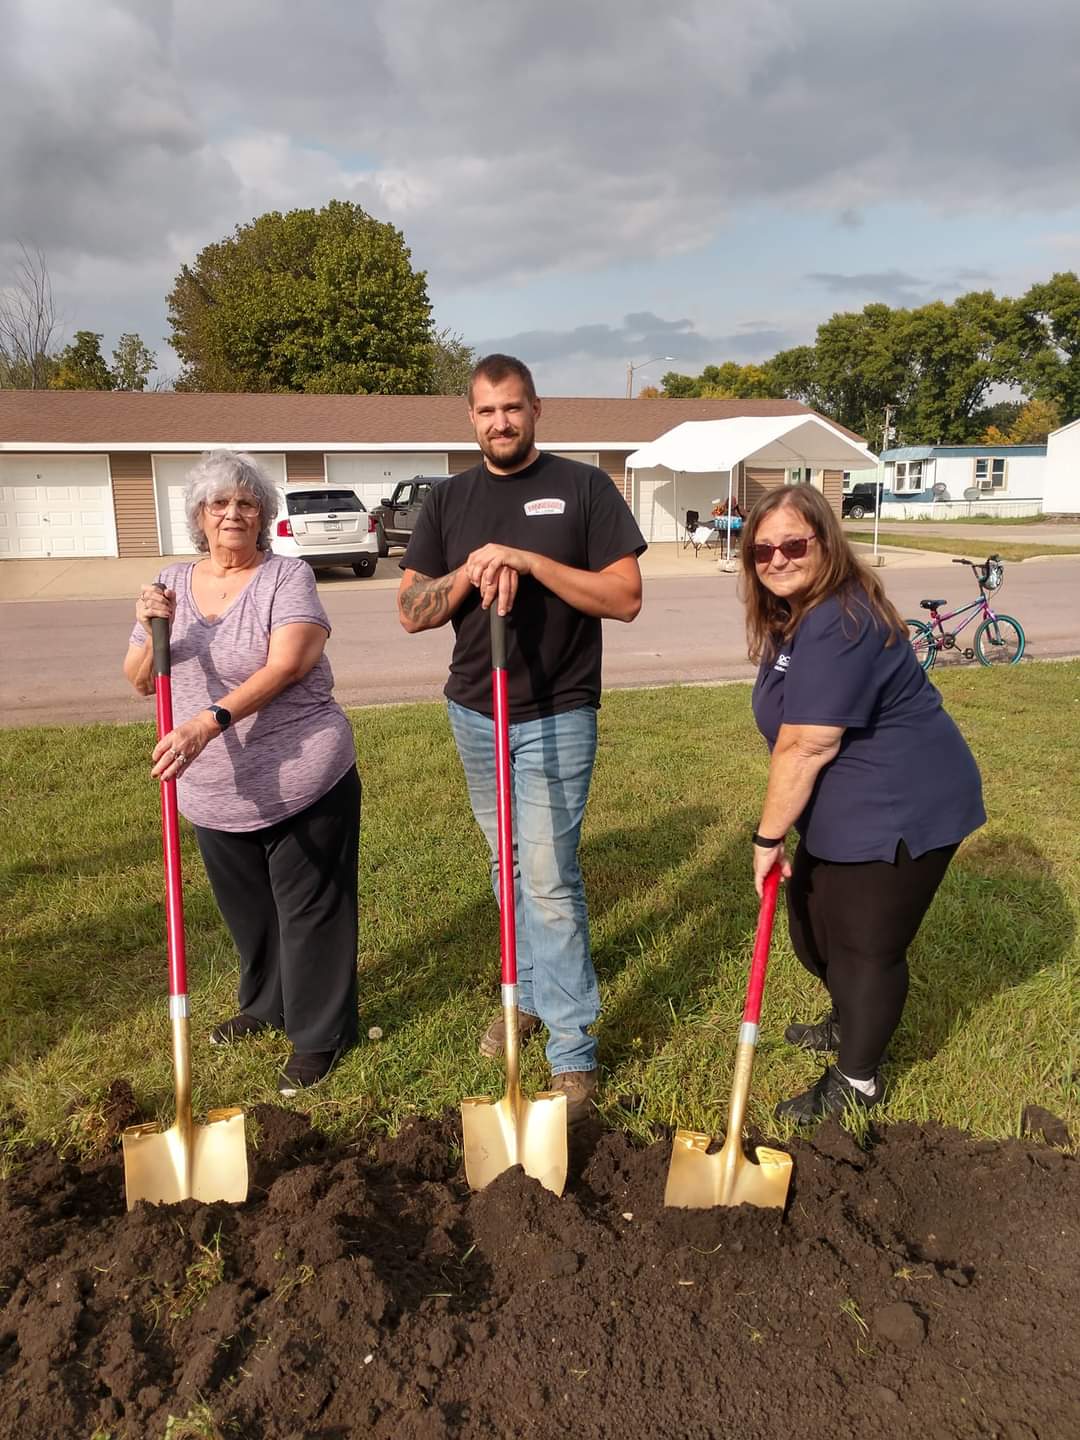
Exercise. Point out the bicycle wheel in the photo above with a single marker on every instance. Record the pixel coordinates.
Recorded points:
(923, 643)
(1000, 641)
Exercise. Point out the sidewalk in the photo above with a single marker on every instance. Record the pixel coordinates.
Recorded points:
(111, 579)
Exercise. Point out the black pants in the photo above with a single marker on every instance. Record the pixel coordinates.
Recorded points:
(851, 925)
(288, 896)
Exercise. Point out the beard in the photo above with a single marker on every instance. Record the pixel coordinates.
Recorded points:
(510, 454)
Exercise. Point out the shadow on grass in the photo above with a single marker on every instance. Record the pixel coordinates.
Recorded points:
(999, 919)
(462, 951)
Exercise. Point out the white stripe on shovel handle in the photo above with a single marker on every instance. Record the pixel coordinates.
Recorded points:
(501, 707)
(170, 825)
(748, 1030)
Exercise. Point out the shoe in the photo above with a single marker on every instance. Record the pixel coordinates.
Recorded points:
(304, 1071)
(493, 1040)
(238, 1028)
(830, 1095)
(579, 1087)
(822, 1036)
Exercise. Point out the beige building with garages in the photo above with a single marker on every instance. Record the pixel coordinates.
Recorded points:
(86, 472)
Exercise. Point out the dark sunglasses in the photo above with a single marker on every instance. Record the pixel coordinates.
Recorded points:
(790, 549)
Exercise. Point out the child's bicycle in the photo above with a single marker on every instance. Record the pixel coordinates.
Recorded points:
(999, 640)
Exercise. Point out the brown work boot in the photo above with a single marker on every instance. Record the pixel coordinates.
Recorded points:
(579, 1087)
(493, 1040)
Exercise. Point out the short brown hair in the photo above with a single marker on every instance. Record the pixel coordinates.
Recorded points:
(770, 620)
(496, 368)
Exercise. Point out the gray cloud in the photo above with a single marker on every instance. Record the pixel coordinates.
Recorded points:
(509, 141)
(895, 286)
(640, 338)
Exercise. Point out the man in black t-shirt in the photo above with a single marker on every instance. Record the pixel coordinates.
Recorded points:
(553, 544)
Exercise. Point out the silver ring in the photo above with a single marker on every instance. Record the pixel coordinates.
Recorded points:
(181, 759)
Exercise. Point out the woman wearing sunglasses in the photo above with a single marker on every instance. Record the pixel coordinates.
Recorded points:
(866, 766)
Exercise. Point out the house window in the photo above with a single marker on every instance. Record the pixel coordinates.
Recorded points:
(990, 472)
(908, 477)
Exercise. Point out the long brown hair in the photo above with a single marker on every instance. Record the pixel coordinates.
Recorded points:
(772, 621)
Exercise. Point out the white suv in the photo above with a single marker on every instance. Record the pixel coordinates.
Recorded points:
(326, 525)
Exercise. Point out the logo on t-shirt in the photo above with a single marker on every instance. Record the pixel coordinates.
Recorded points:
(545, 507)
(782, 662)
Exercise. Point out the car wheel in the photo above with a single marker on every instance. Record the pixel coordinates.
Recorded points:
(364, 568)
(856, 512)
(380, 536)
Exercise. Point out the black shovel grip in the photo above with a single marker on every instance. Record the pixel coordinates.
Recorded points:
(498, 638)
(159, 636)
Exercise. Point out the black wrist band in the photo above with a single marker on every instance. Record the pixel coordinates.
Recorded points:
(765, 842)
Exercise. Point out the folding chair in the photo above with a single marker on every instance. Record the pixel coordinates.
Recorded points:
(693, 520)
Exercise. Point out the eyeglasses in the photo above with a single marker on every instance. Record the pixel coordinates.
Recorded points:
(245, 504)
(790, 549)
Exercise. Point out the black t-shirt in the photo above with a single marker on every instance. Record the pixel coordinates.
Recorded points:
(557, 508)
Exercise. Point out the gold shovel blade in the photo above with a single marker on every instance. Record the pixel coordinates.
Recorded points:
(209, 1163)
(499, 1134)
(699, 1181)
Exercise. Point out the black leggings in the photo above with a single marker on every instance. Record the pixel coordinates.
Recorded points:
(288, 896)
(851, 925)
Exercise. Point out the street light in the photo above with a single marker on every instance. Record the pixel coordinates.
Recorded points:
(631, 371)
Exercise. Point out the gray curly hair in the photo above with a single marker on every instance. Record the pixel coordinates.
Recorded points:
(221, 472)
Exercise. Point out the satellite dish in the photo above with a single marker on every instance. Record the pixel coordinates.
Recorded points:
(940, 488)
(972, 492)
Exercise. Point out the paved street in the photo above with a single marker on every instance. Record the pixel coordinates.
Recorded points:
(61, 659)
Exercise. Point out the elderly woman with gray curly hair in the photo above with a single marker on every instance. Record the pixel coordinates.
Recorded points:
(265, 764)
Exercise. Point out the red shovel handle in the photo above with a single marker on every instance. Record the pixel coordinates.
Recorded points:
(762, 941)
(501, 706)
(170, 825)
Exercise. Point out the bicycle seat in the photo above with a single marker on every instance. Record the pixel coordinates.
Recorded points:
(931, 604)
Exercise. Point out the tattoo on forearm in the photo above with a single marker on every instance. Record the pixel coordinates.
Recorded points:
(425, 601)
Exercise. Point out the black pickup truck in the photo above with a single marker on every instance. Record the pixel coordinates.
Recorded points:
(396, 516)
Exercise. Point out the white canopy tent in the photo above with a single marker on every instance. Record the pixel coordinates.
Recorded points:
(773, 441)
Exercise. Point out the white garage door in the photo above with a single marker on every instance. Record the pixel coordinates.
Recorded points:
(51, 506)
(661, 500)
(376, 475)
(170, 481)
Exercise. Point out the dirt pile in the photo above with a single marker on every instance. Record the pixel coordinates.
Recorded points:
(927, 1285)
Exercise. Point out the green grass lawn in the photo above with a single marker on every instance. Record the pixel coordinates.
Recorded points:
(977, 549)
(991, 1025)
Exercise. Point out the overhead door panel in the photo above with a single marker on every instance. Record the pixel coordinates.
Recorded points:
(375, 476)
(53, 506)
(170, 481)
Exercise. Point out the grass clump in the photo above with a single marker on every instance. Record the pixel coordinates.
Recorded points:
(973, 549)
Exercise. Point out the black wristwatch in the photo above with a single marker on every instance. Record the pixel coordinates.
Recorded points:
(221, 715)
(765, 843)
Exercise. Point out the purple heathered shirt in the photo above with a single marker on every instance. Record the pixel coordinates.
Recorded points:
(287, 755)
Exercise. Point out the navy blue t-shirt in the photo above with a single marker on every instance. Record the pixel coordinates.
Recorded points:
(903, 771)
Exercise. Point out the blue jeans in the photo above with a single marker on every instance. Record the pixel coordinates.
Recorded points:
(551, 763)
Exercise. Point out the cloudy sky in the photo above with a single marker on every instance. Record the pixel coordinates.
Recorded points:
(586, 182)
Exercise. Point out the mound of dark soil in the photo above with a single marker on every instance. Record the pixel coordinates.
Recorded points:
(928, 1286)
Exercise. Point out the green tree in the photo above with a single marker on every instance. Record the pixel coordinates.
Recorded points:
(793, 375)
(859, 367)
(132, 363)
(1000, 417)
(452, 363)
(952, 356)
(720, 382)
(323, 301)
(1044, 343)
(680, 387)
(81, 365)
(1034, 423)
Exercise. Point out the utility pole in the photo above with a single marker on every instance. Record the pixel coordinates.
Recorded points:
(886, 435)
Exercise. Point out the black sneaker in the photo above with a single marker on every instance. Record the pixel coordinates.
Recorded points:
(301, 1072)
(830, 1095)
(238, 1028)
(822, 1037)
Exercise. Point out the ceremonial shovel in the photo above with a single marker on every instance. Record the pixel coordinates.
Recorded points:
(498, 1134)
(698, 1181)
(187, 1161)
